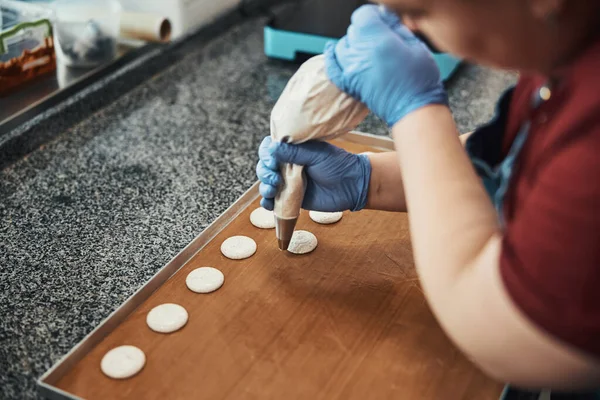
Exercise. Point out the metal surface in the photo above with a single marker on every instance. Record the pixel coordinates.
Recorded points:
(113, 320)
(50, 90)
(48, 381)
(43, 114)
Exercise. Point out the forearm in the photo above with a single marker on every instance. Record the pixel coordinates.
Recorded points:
(386, 191)
(450, 214)
(457, 243)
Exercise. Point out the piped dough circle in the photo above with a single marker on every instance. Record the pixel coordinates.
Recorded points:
(123, 362)
(238, 247)
(262, 218)
(204, 280)
(167, 318)
(302, 242)
(325, 218)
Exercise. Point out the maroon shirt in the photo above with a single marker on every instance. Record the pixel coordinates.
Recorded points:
(550, 260)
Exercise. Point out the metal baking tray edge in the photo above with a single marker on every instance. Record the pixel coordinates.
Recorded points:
(47, 381)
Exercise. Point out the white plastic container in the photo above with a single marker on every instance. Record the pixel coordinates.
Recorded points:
(86, 31)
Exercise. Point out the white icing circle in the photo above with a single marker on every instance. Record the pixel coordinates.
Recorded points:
(167, 318)
(123, 362)
(238, 247)
(325, 218)
(262, 218)
(302, 242)
(204, 280)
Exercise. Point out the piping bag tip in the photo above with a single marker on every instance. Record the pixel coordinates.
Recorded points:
(284, 229)
(283, 244)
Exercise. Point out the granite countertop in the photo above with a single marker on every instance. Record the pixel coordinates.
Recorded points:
(88, 218)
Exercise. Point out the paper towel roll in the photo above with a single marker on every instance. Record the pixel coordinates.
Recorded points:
(144, 26)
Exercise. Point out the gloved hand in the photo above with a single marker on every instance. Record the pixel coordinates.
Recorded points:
(384, 65)
(336, 180)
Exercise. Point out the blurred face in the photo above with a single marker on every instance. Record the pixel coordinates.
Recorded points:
(513, 34)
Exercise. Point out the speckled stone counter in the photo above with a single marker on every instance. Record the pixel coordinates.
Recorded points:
(89, 217)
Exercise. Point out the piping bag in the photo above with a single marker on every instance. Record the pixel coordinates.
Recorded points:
(311, 107)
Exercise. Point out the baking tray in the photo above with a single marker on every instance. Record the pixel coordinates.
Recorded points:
(348, 321)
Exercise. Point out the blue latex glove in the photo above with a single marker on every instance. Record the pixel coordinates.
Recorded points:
(384, 65)
(336, 180)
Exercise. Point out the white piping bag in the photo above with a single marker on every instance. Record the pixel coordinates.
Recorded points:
(311, 107)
